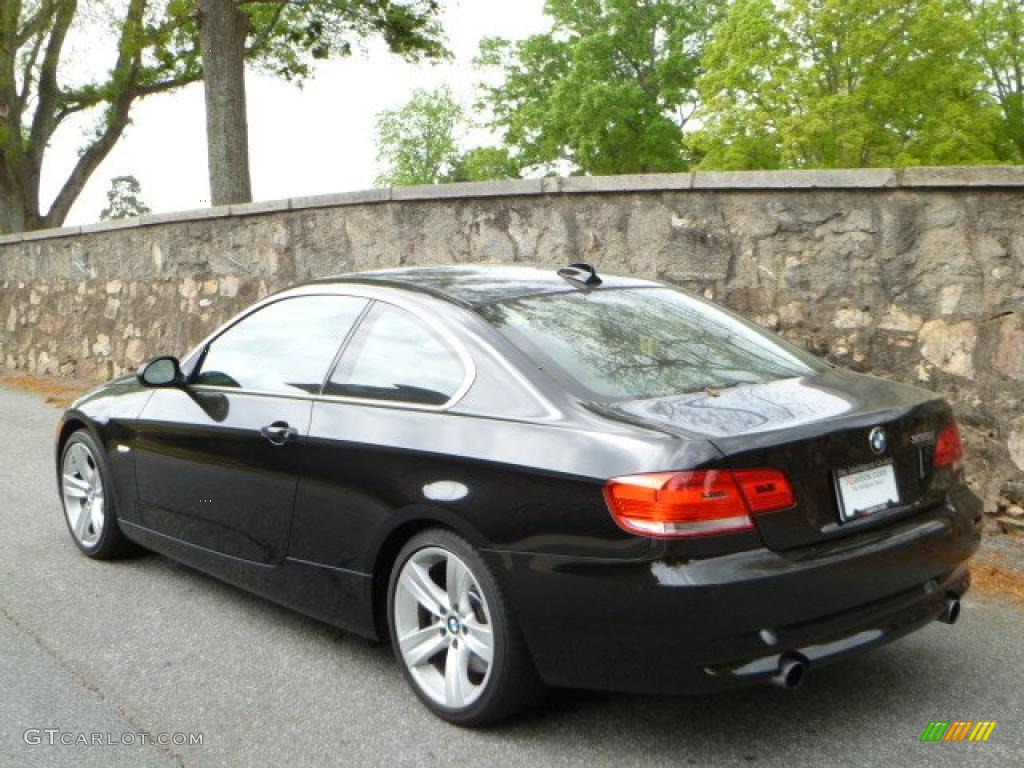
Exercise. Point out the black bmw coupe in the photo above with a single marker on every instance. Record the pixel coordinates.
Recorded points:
(526, 478)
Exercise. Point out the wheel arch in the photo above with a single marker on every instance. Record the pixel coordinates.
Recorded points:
(411, 522)
(75, 421)
(70, 423)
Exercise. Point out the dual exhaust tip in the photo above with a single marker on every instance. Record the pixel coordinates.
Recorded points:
(793, 666)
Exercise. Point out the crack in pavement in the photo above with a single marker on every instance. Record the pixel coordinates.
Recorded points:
(84, 682)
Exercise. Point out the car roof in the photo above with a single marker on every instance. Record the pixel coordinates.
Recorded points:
(474, 285)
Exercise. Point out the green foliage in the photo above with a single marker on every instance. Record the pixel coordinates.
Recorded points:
(844, 83)
(124, 199)
(419, 143)
(156, 49)
(999, 28)
(608, 90)
(485, 164)
(286, 38)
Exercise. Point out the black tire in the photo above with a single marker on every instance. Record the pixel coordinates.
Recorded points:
(111, 543)
(513, 684)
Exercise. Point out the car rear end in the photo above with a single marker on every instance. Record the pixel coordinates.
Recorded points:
(834, 518)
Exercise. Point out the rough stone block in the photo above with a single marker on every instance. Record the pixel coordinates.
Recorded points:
(360, 197)
(625, 184)
(468, 190)
(873, 178)
(982, 176)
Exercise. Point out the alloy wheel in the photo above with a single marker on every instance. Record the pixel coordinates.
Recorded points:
(443, 627)
(82, 487)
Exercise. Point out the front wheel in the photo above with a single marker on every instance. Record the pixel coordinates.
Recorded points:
(88, 499)
(454, 634)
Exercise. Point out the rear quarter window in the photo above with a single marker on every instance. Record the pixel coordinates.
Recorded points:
(395, 357)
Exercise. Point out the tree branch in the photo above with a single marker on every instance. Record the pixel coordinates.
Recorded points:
(43, 123)
(161, 86)
(77, 101)
(272, 2)
(126, 71)
(265, 35)
(36, 24)
(89, 160)
(26, 75)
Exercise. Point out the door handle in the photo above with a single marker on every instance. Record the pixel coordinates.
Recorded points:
(279, 432)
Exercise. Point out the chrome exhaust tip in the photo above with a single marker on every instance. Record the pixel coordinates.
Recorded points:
(950, 610)
(792, 671)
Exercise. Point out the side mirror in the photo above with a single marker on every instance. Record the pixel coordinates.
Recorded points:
(162, 371)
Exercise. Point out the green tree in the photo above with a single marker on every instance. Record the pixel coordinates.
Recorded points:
(124, 199)
(417, 142)
(844, 83)
(152, 53)
(156, 48)
(609, 89)
(485, 164)
(421, 143)
(284, 37)
(1000, 48)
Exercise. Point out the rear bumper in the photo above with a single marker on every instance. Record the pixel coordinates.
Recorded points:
(659, 626)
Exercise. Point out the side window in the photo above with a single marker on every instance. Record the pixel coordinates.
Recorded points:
(394, 356)
(284, 347)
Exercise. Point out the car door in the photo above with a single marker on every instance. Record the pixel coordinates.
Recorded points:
(217, 459)
(375, 435)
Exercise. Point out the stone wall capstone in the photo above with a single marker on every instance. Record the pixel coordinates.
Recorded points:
(914, 274)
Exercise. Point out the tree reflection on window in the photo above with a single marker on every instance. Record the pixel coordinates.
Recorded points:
(285, 347)
(644, 342)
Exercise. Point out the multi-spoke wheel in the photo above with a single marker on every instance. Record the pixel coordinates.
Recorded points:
(83, 494)
(454, 634)
(88, 504)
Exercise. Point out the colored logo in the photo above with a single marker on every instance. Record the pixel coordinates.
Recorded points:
(878, 440)
(958, 730)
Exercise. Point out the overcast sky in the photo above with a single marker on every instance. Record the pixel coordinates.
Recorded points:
(302, 142)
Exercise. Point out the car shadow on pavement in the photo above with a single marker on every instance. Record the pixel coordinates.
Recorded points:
(895, 689)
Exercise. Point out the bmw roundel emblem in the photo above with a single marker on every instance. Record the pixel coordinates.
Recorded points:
(878, 440)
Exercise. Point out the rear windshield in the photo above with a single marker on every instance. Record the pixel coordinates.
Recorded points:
(644, 342)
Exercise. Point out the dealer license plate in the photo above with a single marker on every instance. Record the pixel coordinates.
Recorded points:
(864, 491)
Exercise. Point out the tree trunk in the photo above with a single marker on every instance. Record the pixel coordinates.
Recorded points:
(12, 217)
(222, 34)
(19, 203)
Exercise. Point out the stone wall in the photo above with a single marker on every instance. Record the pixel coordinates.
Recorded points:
(915, 274)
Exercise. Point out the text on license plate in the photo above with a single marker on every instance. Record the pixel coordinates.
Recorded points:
(866, 491)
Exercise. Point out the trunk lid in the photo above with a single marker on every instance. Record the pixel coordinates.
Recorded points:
(814, 429)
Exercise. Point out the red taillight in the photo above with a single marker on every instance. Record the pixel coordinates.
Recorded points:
(697, 502)
(949, 450)
(765, 489)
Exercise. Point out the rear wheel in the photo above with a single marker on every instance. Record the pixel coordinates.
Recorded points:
(454, 634)
(88, 501)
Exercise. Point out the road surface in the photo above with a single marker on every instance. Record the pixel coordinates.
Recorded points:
(133, 649)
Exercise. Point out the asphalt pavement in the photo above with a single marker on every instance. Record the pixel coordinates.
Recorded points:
(129, 652)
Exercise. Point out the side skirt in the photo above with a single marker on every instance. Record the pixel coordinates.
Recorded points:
(335, 596)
